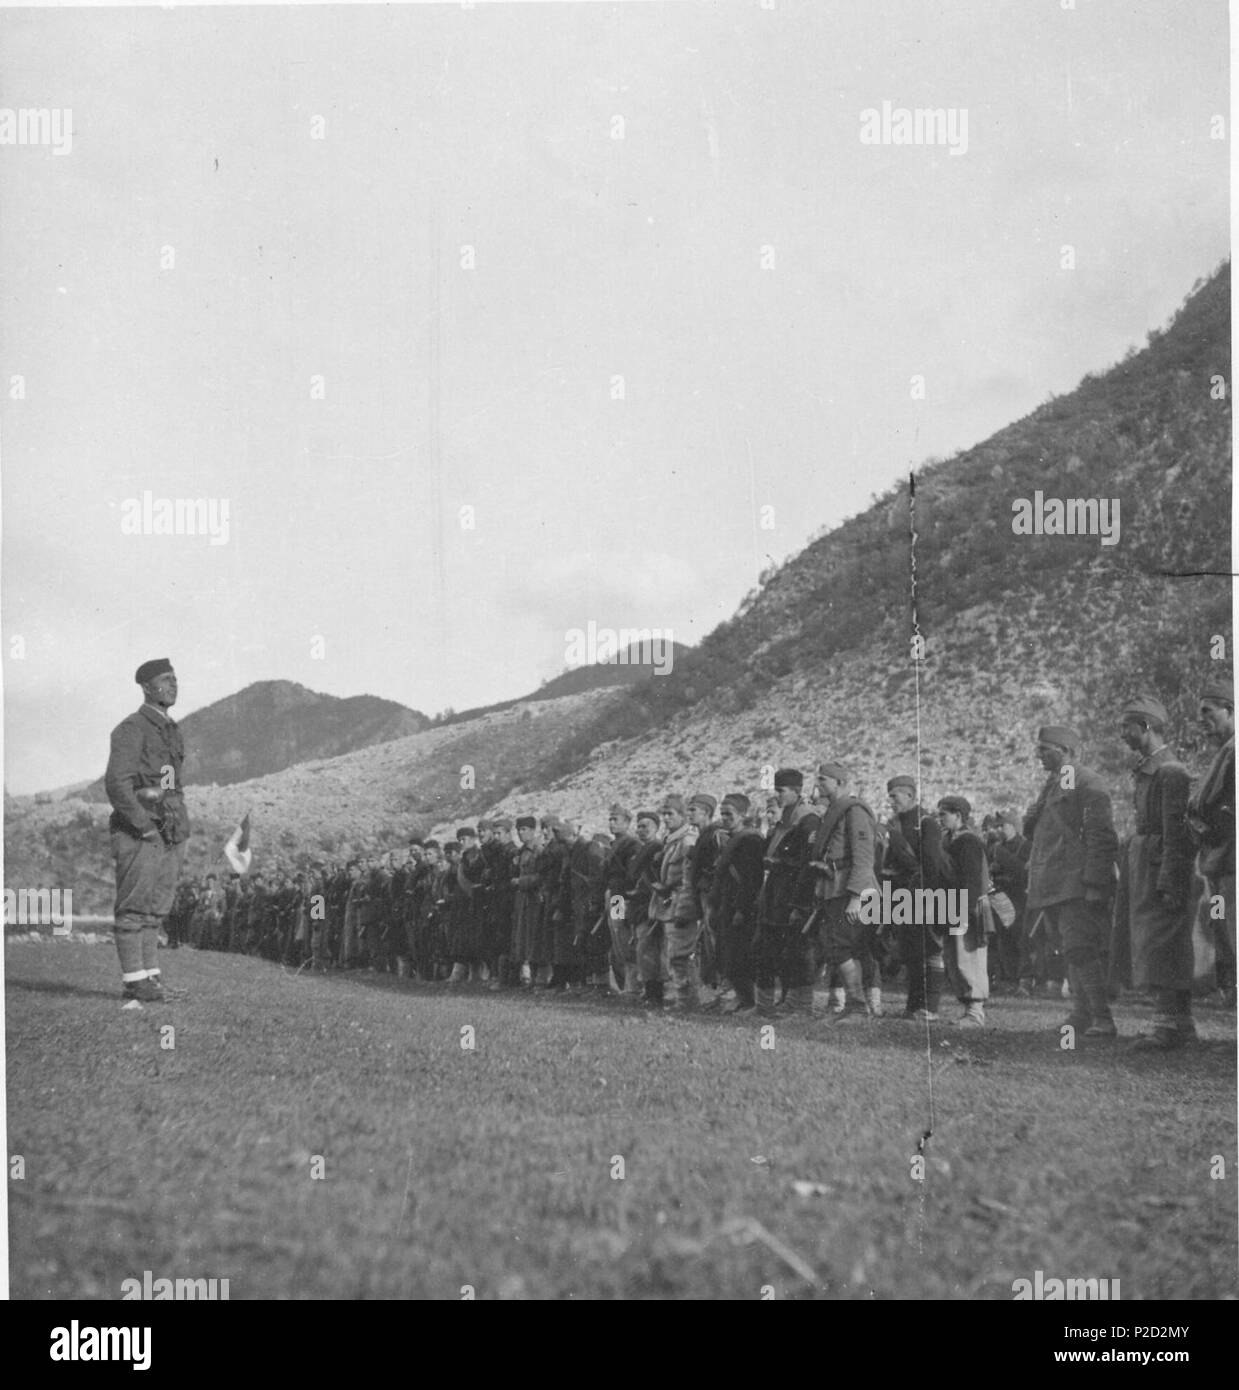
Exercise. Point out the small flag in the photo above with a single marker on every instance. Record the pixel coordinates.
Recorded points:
(237, 851)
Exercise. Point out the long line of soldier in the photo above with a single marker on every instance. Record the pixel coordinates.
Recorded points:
(743, 906)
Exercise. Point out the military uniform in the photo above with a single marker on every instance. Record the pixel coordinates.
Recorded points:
(675, 908)
(1071, 874)
(913, 858)
(622, 930)
(784, 906)
(738, 876)
(148, 828)
(1160, 866)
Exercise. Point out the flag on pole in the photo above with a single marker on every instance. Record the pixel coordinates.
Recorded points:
(237, 851)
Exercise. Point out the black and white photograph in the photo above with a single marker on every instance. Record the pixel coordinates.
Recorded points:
(617, 662)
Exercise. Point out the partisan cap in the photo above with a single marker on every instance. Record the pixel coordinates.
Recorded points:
(1147, 708)
(150, 669)
(1060, 735)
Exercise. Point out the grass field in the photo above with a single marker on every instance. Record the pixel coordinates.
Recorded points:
(493, 1167)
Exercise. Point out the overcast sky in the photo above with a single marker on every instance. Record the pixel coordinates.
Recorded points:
(314, 352)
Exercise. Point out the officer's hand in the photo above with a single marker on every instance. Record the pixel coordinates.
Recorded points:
(852, 911)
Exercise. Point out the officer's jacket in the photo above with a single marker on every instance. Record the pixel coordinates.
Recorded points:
(844, 848)
(1074, 847)
(147, 752)
(1161, 785)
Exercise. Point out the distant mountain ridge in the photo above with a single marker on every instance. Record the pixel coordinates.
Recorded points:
(1019, 630)
(271, 725)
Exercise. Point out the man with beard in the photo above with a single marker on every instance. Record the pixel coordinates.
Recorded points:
(1211, 820)
(148, 829)
(1071, 873)
(839, 876)
(781, 948)
(914, 859)
(624, 847)
(738, 876)
(1160, 870)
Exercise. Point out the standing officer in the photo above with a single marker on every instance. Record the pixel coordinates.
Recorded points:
(148, 828)
(780, 949)
(1160, 855)
(1071, 872)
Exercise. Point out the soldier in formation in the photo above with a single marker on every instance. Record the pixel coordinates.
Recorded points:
(743, 905)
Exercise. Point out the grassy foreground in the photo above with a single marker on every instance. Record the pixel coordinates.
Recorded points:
(493, 1167)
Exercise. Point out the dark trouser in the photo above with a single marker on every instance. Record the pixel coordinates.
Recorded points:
(922, 955)
(146, 874)
(653, 963)
(735, 948)
(1011, 952)
(1082, 928)
(1043, 959)
(784, 951)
